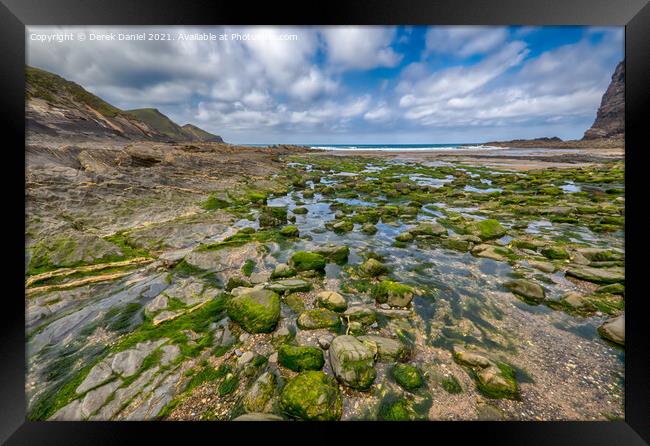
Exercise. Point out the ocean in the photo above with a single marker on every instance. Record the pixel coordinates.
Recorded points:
(394, 147)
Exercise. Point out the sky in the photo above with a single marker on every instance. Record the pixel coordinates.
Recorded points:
(344, 84)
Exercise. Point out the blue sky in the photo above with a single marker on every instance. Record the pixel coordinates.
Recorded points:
(344, 85)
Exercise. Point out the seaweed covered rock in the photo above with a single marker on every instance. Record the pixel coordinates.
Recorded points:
(369, 228)
(352, 362)
(290, 231)
(395, 409)
(433, 229)
(307, 261)
(334, 253)
(497, 381)
(258, 397)
(404, 237)
(272, 216)
(256, 311)
(527, 289)
(312, 395)
(598, 275)
(318, 318)
(282, 271)
(361, 314)
(487, 229)
(393, 293)
(332, 301)
(407, 376)
(373, 268)
(300, 358)
(555, 253)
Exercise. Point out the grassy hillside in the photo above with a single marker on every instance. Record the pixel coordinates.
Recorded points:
(159, 122)
(200, 134)
(58, 91)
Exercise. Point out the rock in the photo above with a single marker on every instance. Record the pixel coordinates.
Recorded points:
(300, 210)
(404, 237)
(614, 288)
(237, 282)
(598, 275)
(307, 261)
(295, 302)
(97, 375)
(432, 229)
(289, 286)
(290, 231)
(300, 358)
(282, 335)
(610, 118)
(312, 395)
(259, 395)
(272, 216)
(165, 316)
(332, 301)
(127, 362)
(273, 358)
(599, 254)
(614, 329)
(325, 341)
(158, 303)
(469, 358)
(334, 253)
(487, 229)
(369, 228)
(352, 362)
(373, 268)
(340, 226)
(574, 300)
(546, 267)
(319, 318)
(396, 410)
(555, 253)
(407, 376)
(169, 353)
(282, 271)
(489, 252)
(96, 398)
(385, 349)
(526, 289)
(497, 381)
(254, 416)
(393, 293)
(363, 315)
(245, 358)
(255, 311)
(457, 244)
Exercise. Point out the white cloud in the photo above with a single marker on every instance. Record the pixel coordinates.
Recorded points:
(362, 47)
(464, 40)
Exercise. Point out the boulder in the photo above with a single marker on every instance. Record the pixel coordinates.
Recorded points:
(369, 228)
(282, 271)
(614, 329)
(312, 395)
(407, 376)
(307, 261)
(433, 229)
(487, 229)
(526, 289)
(256, 311)
(300, 358)
(393, 293)
(373, 268)
(385, 349)
(289, 286)
(360, 314)
(332, 301)
(334, 253)
(318, 318)
(290, 231)
(257, 398)
(598, 275)
(352, 362)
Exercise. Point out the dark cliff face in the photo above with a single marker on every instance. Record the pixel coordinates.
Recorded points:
(610, 119)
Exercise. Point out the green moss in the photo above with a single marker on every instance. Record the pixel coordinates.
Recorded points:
(555, 253)
(214, 202)
(393, 293)
(228, 385)
(248, 267)
(312, 395)
(318, 318)
(488, 229)
(451, 385)
(395, 410)
(256, 311)
(290, 231)
(300, 358)
(510, 390)
(307, 261)
(407, 376)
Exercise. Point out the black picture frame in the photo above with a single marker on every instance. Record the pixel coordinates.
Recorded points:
(15, 14)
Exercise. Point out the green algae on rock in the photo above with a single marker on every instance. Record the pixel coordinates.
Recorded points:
(300, 358)
(307, 261)
(318, 318)
(272, 216)
(290, 231)
(312, 395)
(527, 289)
(373, 268)
(487, 229)
(332, 301)
(407, 376)
(392, 293)
(352, 362)
(289, 286)
(256, 311)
